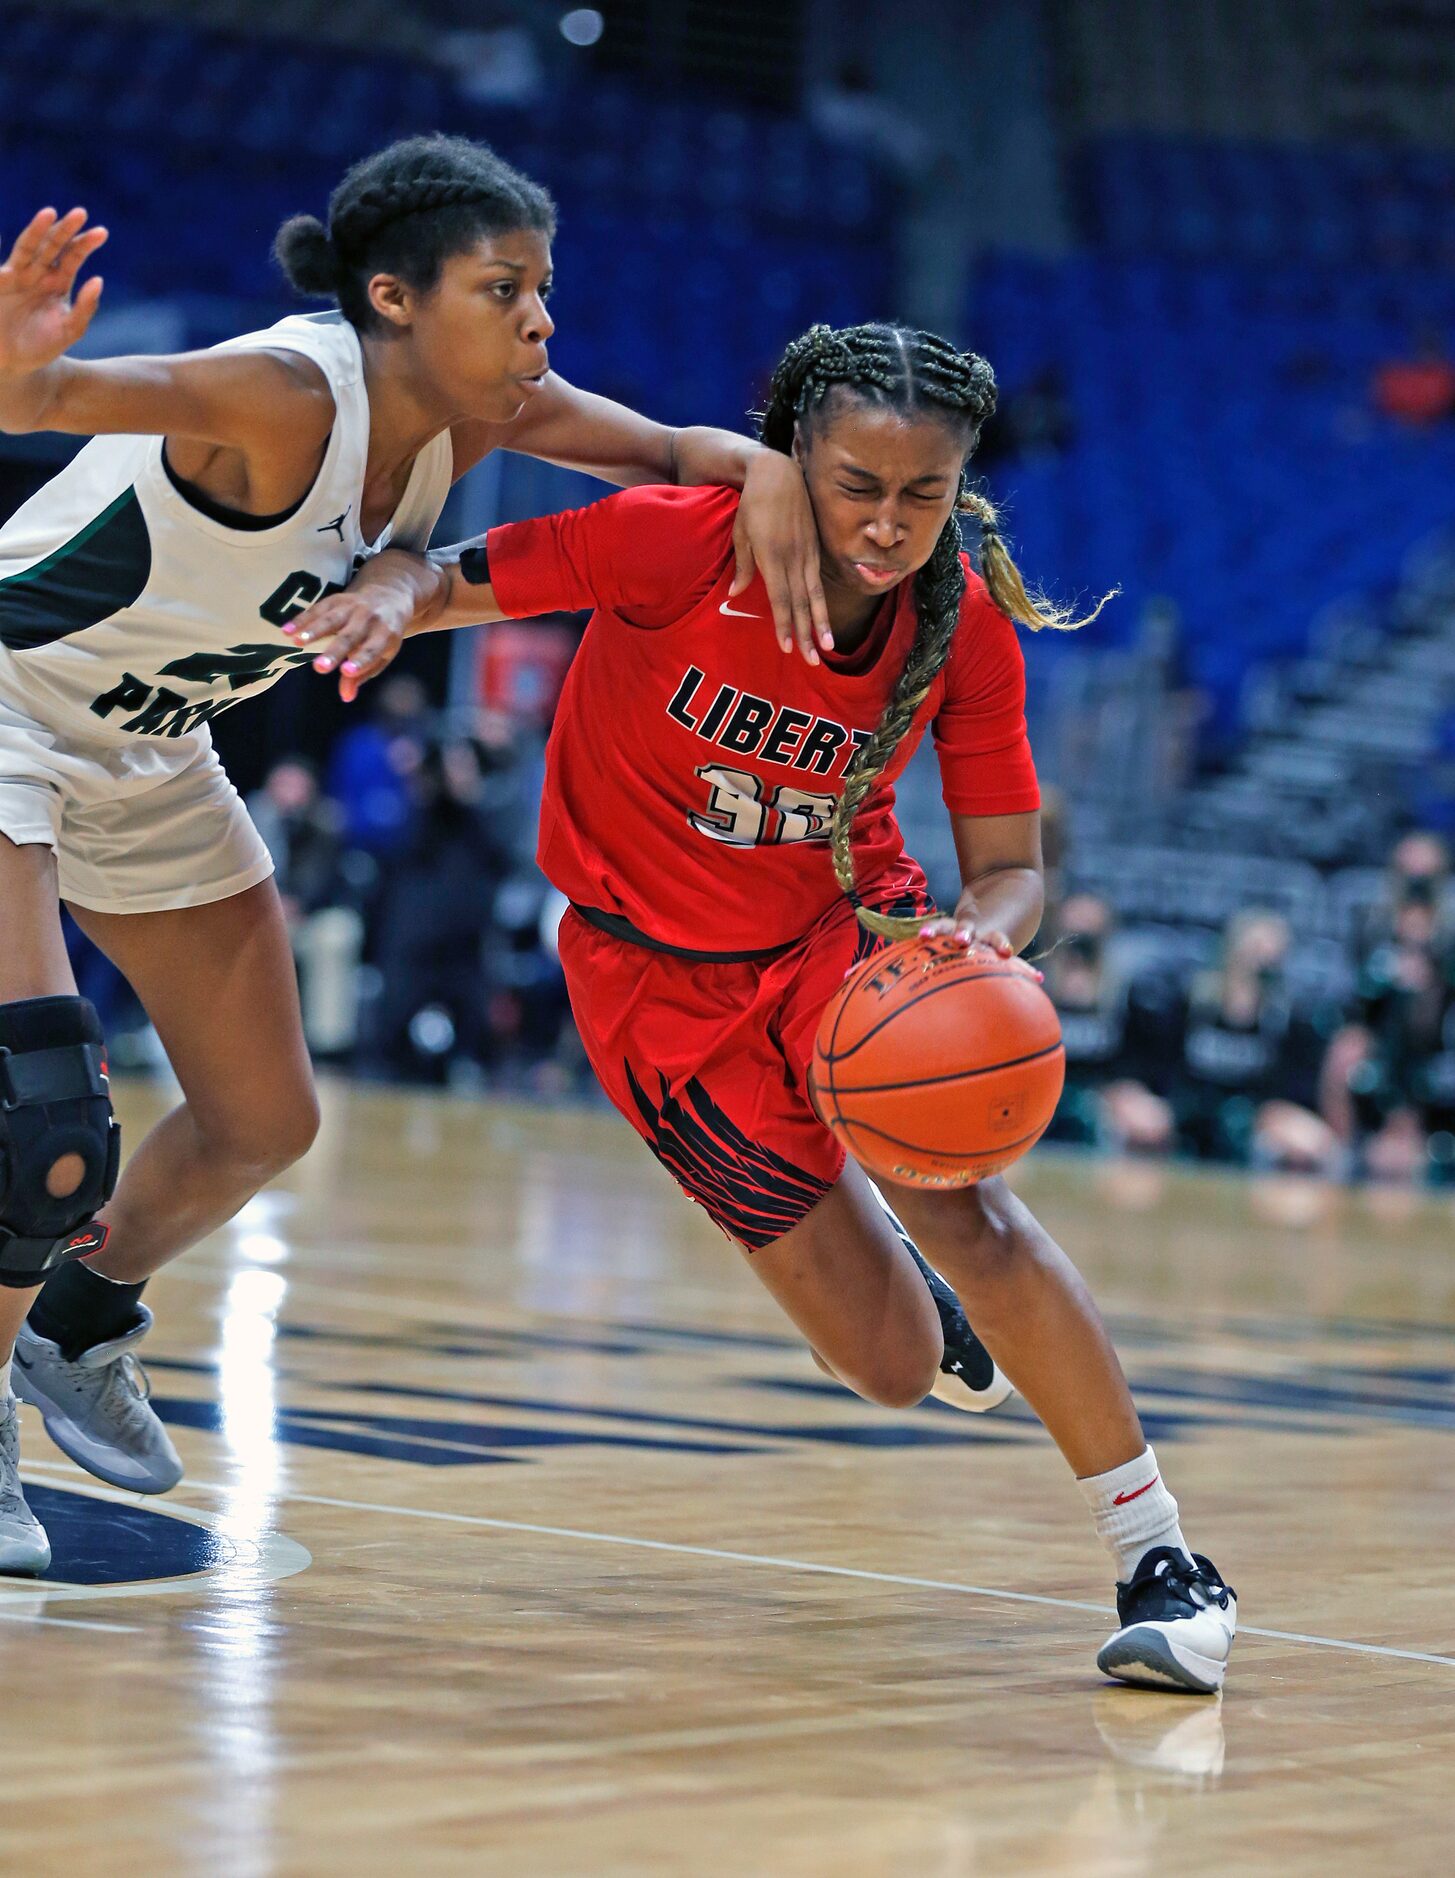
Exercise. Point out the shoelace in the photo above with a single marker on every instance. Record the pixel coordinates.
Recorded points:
(137, 1380)
(1193, 1582)
(12, 1497)
(127, 1385)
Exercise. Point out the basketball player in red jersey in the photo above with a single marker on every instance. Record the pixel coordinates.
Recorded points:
(722, 820)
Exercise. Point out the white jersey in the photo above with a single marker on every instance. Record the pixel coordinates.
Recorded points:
(129, 616)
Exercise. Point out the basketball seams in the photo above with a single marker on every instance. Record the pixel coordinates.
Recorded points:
(1007, 1149)
(948, 984)
(957, 1075)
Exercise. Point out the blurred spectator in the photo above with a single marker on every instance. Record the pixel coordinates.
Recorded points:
(369, 774)
(1418, 876)
(433, 917)
(301, 831)
(1418, 390)
(1105, 1104)
(1390, 1080)
(318, 882)
(1239, 1062)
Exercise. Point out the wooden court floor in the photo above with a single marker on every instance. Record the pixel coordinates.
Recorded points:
(519, 1537)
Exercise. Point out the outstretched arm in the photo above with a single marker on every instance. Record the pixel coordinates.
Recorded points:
(272, 402)
(775, 533)
(645, 555)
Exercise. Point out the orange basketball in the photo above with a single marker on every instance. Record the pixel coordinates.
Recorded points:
(938, 1065)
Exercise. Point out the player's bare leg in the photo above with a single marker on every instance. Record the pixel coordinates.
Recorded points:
(218, 983)
(966, 1377)
(1038, 1320)
(845, 1278)
(1035, 1314)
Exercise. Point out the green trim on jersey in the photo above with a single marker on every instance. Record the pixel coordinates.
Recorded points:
(98, 572)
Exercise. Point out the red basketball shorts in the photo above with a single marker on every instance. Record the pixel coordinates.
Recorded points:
(709, 1063)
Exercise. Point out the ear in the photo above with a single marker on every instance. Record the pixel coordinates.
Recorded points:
(799, 451)
(391, 299)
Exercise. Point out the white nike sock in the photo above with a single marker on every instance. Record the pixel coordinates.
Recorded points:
(1133, 1512)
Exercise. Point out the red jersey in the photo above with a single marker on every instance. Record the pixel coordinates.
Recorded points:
(693, 767)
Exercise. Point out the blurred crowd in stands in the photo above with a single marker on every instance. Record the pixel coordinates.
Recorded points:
(1230, 1063)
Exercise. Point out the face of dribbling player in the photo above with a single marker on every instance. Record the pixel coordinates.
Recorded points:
(882, 484)
(479, 334)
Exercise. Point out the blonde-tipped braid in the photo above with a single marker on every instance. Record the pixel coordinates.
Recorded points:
(1005, 583)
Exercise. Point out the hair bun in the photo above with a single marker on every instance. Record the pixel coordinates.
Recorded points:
(306, 253)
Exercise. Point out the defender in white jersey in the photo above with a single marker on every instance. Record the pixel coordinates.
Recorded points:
(147, 587)
(130, 616)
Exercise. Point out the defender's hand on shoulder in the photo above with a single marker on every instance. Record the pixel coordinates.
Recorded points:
(776, 536)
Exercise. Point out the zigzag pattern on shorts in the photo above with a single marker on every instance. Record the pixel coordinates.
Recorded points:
(753, 1194)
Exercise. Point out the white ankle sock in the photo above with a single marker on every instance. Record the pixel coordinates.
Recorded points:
(1133, 1512)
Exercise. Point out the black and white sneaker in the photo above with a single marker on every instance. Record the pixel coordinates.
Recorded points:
(968, 1376)
(1178, 1620)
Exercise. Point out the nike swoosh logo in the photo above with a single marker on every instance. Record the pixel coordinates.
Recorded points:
(1122, 1499)
(734, 613)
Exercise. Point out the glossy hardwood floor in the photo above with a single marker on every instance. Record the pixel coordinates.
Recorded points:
(519, 1537)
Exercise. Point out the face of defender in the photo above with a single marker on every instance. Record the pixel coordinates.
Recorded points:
(479, 334)
(883, 485)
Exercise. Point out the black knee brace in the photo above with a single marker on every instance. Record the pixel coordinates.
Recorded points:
(54, 1101)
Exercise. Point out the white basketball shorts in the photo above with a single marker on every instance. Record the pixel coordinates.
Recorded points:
(141, 827)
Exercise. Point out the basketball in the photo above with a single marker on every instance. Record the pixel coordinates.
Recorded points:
(937, 1065)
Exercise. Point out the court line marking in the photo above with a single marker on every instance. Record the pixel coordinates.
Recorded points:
(832, 1571)
(65, 1623)
(809, 1566)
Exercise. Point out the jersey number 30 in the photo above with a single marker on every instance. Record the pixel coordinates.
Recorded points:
(746, 812)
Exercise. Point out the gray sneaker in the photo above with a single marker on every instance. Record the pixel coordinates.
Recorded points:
(24, 1548)
(96, 1409)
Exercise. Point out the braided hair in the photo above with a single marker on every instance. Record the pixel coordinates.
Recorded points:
(902, 369)
(404, 211)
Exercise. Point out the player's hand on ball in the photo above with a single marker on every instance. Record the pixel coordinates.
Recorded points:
(38, 318)
(777, 537)
(966, 925)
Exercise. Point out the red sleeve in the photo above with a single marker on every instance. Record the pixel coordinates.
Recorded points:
(648, 555)
(986, 766)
